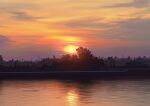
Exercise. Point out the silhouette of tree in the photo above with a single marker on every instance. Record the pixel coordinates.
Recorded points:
(111, 62)
(1, 59)
(85, 56)
(87, 60)
(84, 53)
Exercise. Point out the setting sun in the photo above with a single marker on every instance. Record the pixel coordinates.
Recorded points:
(71, 49)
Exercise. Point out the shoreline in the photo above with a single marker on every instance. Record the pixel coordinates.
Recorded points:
(76, 75)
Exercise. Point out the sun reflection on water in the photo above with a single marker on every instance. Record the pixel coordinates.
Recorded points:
(72, 98)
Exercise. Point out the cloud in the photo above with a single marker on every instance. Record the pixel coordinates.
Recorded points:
(23, 16)
(83, 23)
(1, 26)
(134, 3)
(86, 22)
(15, 6)
(4, 43)
(4, 39)
(132, 29)
(136, 29)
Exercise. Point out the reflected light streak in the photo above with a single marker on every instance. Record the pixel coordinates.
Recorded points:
(72, 98)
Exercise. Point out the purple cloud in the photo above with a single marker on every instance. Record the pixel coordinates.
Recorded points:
(134, 3)
(4, 39)
(23, 16)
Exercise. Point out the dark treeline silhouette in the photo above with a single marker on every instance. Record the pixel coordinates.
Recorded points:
(84, 60)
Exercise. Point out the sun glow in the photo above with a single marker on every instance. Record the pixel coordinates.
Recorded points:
(67, 39)
(71, 49)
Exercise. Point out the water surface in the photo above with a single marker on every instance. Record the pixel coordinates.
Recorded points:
(74, 93)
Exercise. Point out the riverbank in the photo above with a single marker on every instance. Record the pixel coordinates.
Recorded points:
(76, 75)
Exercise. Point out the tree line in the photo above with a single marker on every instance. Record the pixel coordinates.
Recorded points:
(84, 60)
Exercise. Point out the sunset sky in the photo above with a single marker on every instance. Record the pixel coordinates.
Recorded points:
(32, 29)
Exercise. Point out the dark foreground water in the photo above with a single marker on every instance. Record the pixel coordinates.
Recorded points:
(75, 93)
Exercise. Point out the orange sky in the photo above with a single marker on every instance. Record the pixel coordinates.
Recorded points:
(41, 28)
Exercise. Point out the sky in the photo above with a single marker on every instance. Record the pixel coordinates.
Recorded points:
(31, 29)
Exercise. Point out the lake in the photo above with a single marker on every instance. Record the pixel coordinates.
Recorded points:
(75, 93)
